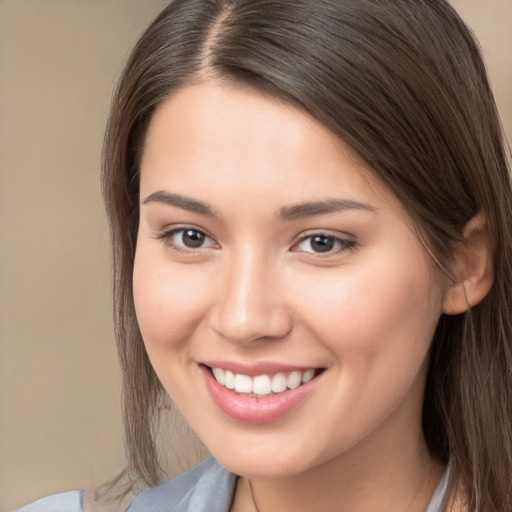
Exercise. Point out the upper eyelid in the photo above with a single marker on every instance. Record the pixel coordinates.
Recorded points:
(326, 235)
(339, 235)
(168, 230)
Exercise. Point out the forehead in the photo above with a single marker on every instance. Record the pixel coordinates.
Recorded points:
(214, 135)
(207, 112)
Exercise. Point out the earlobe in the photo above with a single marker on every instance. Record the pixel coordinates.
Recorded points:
(474, 268)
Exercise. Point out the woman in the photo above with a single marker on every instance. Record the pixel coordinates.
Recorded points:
(310, 208)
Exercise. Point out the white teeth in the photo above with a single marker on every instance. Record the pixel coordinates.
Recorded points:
(262, 385)
(219, 375)
(229, 378)
(278, 382)
(293, 380)
(307, 376)
(243, 383)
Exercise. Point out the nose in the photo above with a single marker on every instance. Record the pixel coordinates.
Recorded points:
(250, 304)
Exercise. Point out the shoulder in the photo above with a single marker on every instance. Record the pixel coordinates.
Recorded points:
(206, 488)
(70, 501)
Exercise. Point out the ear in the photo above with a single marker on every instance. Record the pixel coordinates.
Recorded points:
(474, 268)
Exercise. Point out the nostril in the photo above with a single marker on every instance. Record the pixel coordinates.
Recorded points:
(252, 331)
(248, 306)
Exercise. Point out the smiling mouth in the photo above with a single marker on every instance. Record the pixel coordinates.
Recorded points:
(264, 385)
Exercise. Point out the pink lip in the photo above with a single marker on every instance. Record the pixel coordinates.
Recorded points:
(252, 409)
(259, 368)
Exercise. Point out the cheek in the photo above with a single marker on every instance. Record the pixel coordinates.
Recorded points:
(377, 326)
(385, 313)
(168, 301)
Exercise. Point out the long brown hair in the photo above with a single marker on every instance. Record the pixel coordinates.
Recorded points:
(403, 83)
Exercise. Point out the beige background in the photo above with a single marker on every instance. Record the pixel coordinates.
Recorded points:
(59, 384)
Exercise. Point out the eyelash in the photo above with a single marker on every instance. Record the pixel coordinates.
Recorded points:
(339, 245)
(167, 238)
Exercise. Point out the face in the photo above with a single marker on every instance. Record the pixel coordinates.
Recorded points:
(285, 302)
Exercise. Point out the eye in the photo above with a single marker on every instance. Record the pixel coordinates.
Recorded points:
(187, 238)
(321, 244)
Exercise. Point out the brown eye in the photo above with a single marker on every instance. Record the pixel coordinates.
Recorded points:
(187, 239)
(323, 244)
(192, 238)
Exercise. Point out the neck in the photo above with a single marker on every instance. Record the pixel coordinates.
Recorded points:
(383, 493)
(402, 476)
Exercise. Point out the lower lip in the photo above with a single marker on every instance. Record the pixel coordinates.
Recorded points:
(256, 410)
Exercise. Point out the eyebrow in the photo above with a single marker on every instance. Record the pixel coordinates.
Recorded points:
(322, 208)
(185, 203)
(292, 212)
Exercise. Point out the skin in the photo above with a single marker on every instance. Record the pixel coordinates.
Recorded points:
(258, 290)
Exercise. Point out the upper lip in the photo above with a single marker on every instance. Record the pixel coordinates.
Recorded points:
(257, 368)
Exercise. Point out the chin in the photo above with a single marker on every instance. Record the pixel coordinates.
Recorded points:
(263, 464)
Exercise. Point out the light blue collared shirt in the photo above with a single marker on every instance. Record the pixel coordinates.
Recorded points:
(208, 487)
